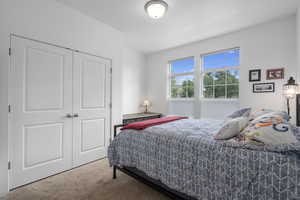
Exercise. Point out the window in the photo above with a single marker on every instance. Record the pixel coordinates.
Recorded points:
(181, 78)
(221, 75)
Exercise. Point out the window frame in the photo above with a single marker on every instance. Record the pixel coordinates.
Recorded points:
(170, 76)
(222, 69)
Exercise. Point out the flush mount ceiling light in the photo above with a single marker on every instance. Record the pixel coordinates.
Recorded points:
(156, 8)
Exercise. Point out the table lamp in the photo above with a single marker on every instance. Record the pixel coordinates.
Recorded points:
(146, 104)
(290, 89)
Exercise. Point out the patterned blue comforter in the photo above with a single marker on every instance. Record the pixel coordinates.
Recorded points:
(184, 155)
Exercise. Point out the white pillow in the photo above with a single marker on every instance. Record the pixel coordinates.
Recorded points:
(244, 112)
(232, 128)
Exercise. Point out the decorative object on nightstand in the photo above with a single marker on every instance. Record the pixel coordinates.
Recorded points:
(254, 75)
(146, 104)
(290, 89)
(136, 117)
(275, 74)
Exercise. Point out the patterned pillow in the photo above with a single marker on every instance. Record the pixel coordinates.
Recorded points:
(244, 112)
(270, 129)
(232, 128)
(279, 115)
(258, 113)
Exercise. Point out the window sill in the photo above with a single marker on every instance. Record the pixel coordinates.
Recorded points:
(222, 100)
(203, 100)
(181, 99)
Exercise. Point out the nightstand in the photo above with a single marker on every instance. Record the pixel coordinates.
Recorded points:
(136, 117)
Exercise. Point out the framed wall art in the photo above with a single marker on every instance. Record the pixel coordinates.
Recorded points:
(263, 87)
(254, 75)
(275, 74)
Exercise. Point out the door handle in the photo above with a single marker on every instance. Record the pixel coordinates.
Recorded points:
(76, 115)
(68, 116)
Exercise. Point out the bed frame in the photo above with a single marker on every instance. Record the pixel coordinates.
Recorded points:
(142, 177)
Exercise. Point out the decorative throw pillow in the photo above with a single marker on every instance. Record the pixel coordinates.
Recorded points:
(271, 129)
(264, 112)
(258, 113)
(232, 128)
(272, 115)
(244, 112)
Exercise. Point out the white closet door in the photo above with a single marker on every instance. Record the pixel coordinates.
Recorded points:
(41, 93)
(91, 103)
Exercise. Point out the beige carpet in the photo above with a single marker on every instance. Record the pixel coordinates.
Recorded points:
(90, 182)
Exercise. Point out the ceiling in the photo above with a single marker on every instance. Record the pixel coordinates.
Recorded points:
(186, 20)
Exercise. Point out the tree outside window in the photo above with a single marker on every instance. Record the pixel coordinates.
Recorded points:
(221, 75)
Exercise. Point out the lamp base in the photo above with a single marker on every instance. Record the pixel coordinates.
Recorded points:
(288, 106)
(298, 109)
(146, 109)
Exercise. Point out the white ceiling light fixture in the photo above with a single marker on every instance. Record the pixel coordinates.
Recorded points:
(156, 8)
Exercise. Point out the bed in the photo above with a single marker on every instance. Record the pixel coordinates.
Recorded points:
(183, 160)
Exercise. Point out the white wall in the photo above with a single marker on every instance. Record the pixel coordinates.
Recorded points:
(217, 109)
(265, 46)
(133, 80)
(179, 107)
(52, 22)
(298, 44)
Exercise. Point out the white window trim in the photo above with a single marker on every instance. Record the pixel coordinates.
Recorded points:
(221, 69)
(170, 76)
(182, 99)
(181, 74)
(234, 100)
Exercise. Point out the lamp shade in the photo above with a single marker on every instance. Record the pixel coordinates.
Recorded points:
(290, 89)
(146, 103)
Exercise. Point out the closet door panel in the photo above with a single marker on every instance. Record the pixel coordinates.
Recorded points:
(41, 97)
(91, 100)
(93, 76)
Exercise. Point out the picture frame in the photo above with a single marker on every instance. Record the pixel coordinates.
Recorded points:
(275, 74)
(263, 87)
(254, 75)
